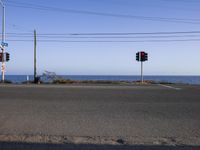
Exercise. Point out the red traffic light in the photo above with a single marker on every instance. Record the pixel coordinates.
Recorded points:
(141, 56)
(142, 53)
(1, 57)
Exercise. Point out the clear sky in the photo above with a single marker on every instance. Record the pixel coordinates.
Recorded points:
(104, 58)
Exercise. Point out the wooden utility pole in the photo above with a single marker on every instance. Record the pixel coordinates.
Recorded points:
(35, 65)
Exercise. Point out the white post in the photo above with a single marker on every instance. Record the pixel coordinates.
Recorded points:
(142, 80)
(3, 46)
(27, 79)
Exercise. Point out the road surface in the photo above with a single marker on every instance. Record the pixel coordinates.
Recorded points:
(149, 114)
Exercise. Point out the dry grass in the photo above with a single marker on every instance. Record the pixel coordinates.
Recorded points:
(68, 81)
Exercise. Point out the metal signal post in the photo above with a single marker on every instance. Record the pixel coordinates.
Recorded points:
(3, 43)
(141, 56)
(142, 79)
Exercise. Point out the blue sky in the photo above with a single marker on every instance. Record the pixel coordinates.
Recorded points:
(99, 58)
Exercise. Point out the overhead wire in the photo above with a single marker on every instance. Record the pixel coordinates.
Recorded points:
(181, 1)
(121, 3)
(111, 41)
(101, 37)
(111, 33)
(108, 37)
(41, 7)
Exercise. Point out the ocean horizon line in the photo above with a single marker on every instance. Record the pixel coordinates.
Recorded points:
(96, 75)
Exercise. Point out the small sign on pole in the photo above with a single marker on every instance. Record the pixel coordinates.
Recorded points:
(3, 68)
(4, 44)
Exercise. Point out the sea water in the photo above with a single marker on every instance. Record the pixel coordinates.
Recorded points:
(171, 79)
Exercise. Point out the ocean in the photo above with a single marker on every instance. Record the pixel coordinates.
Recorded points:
(171, 79)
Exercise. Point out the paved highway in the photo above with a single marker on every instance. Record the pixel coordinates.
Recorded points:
(152, 114)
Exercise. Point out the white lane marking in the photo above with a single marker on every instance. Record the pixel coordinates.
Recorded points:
(170, 87)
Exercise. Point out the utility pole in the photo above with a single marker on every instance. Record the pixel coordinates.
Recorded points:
(35, 65)
(3, 41)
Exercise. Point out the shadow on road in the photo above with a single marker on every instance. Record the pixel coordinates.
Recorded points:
(35, 146)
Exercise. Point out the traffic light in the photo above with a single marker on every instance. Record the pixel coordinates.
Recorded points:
(146, 57)
(7, 56)
(142, 56)
(138, 56)
(1, 57)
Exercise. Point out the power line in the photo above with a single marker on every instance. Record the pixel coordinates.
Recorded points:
(162, 19)
(185, 1)
(110, 33)
(111, 41)
(150, 36)
(178, 36)
(101, 37)
(147, 5)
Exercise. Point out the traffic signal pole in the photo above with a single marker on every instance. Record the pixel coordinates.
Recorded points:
(142, 79)
(141, 60)
(142, 57)
(3, 46)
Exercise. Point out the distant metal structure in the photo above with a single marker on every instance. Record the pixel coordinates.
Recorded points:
(142, 57)
(50, 76)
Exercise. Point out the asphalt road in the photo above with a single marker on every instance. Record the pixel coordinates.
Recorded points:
(153, 114)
